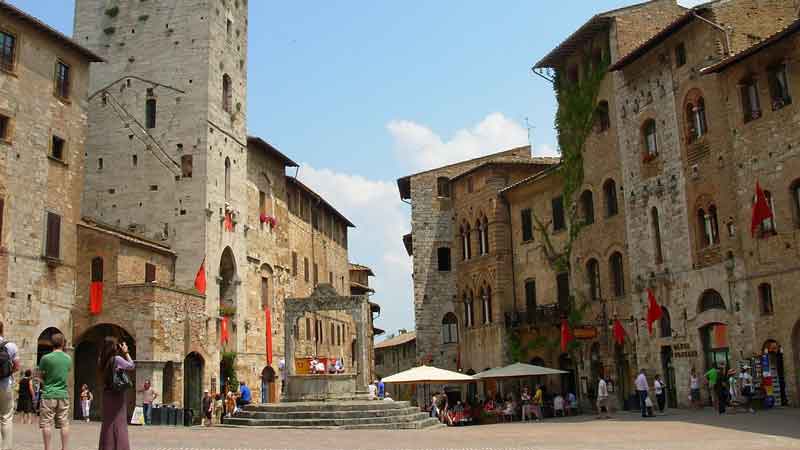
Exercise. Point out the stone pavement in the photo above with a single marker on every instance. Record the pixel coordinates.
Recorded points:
(679, 430)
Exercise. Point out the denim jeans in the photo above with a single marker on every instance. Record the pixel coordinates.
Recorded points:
(642, 402)
(147, 408)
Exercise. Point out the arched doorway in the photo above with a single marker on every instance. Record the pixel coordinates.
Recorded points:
(44, 344)
(268, 385)
(773, 352)
(714, 338)
(624, 377)
(87, 352)
(228, 285)
(193, 382)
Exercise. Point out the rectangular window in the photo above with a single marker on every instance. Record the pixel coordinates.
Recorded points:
(52, 247)
(330, 278)
(294, 264)
(778, 86)
(149, 273)
(680, 55)
(443, 259)
(150, 113)
(57, 148)
(305, 269)
(8, 50)
(443, 187)
(265, 303)
(559, 222)
(186, 166)
(562, 290)
(530, 300)
(262, 202)
(527, 224)
(62, 80)
(2, 213)
(308, 329)
(5, 125)
(751, 107)
(316, 274)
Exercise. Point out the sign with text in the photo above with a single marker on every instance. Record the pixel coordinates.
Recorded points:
(585, 332)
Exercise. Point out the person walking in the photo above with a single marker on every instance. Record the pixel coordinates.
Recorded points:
(54, 371)
(641, 390)
(694, 390)
(746, 383)
(149, 395)
(9, 363)
(114, 362)
(661, 393)
(208, 408)
(712, 378)
(602, 399)
(25, 397)
(86, 401)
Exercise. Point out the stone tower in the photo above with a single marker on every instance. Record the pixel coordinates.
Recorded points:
(167, 149)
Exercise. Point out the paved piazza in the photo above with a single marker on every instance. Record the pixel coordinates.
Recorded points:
(778, 429)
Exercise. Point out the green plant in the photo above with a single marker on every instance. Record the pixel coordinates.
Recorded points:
(227, 311)
(112, 12)
(229, 369)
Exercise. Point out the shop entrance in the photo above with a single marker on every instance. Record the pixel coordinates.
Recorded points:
(774, 354)
(193, 382)
(568, 381)
(668, 370)
(623, 381)
(715, 345)
(268, 392)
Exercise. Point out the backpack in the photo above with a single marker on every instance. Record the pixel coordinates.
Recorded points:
(6, 363)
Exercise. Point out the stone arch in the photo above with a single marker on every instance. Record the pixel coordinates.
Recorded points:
(44, 344)
(694, 110)
(610, 199)
(586, 201)
(710, 300)
(228, 278)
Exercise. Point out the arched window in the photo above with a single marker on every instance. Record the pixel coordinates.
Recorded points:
(696, 119)
(610, 193)
(227, 93)
(665, 323)
(587, 207)
(751, 106)
(601, 118)
(794, 194)
(765, 299)
(768, 225)
(481, 242)
(617, 274)
(449, 329)
(708, 226)
(97, 269)
(593, 275)
(466, 245)
(486, 297)
(650, 140)
(484, 236)
(657, 250)
(711, 300)
(227, 179)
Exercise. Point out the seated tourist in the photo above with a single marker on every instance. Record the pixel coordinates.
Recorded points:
(572, 404)
(558, 406)
(245, 396)
(320, 367)
(332, 366)
(508, 410)
(339, 366)
(373, 390)
(313, 365)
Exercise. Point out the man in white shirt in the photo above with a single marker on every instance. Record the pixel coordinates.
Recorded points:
(641, 390)
(746, 385)
(282, 369)
(9, 363)
(373, 390)
(602, 399)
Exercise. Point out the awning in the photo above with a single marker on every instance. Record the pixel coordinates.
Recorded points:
(517, 370)
(428, 375)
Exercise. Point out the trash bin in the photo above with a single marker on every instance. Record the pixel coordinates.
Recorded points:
(170, 415)
(178, 417)
(188, 417)
(155, 415)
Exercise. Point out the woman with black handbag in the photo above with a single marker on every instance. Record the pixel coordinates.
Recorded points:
(115, 363)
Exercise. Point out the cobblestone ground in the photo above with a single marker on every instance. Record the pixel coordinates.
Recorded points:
(680, 430)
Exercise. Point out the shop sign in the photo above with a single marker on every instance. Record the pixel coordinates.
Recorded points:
(585, 332)
(683, 350)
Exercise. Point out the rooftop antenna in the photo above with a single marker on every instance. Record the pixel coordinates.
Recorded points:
(530, 128)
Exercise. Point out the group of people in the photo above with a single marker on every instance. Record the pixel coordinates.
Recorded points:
(643, 394)
(727, 388)
(317, 366)
(52, 400)
(377, 390)
(217, 406)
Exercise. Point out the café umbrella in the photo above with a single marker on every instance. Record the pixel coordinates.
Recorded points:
(428, 375)
(517, 370)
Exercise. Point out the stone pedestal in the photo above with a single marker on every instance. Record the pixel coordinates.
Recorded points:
(303, 388)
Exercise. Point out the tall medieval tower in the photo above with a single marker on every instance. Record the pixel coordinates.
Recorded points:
(167, 146)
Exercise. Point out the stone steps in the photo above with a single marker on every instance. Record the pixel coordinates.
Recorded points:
(352, 415)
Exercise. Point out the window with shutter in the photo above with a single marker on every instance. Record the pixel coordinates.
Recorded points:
(97, 269)
(52, 247)
(265, 292)
(149, 273)
(559, 222)
(527, 225)
(562, 290)
(530, 299)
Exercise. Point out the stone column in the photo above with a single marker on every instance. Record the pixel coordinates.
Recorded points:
(153, 371)
(362, 353)
(288, 350)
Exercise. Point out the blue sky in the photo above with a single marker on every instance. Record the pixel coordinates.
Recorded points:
(363, 92)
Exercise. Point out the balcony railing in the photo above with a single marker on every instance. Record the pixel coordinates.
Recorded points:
(543, 315)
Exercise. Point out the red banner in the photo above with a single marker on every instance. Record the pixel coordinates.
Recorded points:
(96, 298)
(268, 326)
(223, 330)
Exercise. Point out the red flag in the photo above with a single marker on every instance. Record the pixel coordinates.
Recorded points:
(761, 210)
(619, 332)
(654, 311)
(96, 298)
(228, 222)
(566, 335)
(223, 330)
(268, 325)
(200, 278)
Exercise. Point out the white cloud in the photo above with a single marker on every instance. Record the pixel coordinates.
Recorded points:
(381, 220)
(421, 148)
(544, 150)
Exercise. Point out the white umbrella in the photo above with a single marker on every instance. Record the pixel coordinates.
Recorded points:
(517, 370)
(428, 375)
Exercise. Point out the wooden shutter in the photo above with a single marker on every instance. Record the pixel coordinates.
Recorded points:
(149, 273)
(53, 236)
(264, 292)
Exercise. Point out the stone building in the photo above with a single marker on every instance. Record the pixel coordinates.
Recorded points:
(764, 148)
(44, 78)
(170, 162)
(394, 355)
(684, 238)
(359, 285)
(432, 244)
